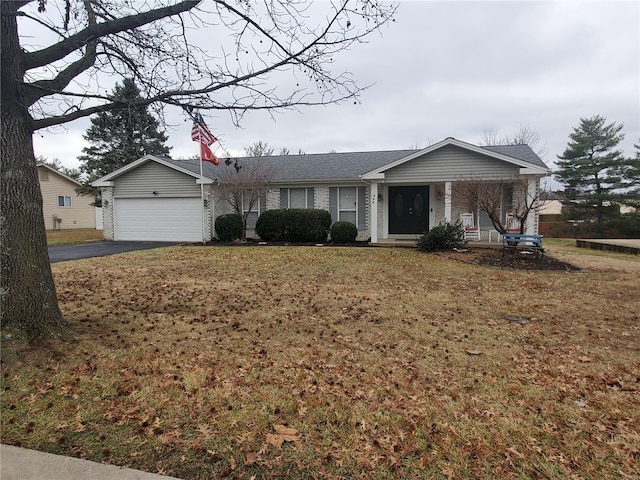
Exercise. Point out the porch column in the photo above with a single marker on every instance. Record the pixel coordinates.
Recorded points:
(373, 213)
(531, 225)
(447, 202)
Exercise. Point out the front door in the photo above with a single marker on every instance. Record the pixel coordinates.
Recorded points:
(408, 210)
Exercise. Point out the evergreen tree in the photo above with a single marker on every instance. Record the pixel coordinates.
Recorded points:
(119, 137)
(631, 175)
(592, 169)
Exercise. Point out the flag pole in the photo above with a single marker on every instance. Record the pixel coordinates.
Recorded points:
(201, 134)
(202, 209)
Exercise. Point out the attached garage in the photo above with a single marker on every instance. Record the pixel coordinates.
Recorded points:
(160, 219)
(157, 199)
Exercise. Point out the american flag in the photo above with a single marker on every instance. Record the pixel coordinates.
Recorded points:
(200, 132)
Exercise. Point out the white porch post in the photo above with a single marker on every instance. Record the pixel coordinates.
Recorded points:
(447, 202)
(531, 225)
(373, 212)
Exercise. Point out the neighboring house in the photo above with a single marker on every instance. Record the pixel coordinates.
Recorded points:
(63, 208)
(387, 195)
(550, 204)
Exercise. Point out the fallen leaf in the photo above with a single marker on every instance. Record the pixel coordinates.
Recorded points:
(283, 434)
(515, 452)
(474, 352)
(584, 359)
(492, 323)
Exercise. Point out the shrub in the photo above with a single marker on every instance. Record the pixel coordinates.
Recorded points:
(343, 232)
(307, 225)
(294, 225)
(228, 227)
(626, 226)
(271, 225)
(445, 236)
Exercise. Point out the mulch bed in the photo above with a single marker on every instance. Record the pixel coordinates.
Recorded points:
(517, 261)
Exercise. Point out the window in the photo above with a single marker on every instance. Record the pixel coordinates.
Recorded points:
(297, 197)
(64, 201)
(256, 210)
(348, 204)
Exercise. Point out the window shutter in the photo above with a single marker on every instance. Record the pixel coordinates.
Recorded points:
(311, 197)
(262, 203)
(284, 198)
(333, 203)
(362, 207)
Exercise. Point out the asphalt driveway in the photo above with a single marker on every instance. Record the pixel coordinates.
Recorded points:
(64, 253)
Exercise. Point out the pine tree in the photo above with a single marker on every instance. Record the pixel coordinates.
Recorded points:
(631, 175)
(591, 168)
(119, 137)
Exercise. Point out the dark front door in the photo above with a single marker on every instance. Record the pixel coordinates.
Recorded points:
(408, 209)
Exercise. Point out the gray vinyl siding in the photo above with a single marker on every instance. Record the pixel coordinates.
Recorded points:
(449, 163)
(154, 177)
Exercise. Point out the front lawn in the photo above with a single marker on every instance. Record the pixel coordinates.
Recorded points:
(69, 237)
(303, 362)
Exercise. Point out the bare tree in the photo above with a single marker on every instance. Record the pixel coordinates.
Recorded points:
(278, 58)
(498, 198)
(258, 149)
(525, 135)
(241, 184)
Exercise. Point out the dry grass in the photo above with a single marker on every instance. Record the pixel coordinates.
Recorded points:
(386, 363)
(68, 237)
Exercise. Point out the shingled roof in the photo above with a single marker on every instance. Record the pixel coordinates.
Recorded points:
(339, 167)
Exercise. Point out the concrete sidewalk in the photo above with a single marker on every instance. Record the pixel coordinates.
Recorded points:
(22, 464)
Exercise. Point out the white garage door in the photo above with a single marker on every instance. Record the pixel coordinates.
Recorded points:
(160, 219)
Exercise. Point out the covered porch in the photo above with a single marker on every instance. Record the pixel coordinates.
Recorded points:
(404, 212)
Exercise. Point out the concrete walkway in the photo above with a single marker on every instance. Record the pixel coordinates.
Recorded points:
(22, 464)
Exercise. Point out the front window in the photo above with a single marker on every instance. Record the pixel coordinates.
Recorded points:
(64, 201)
(254, 210)
(297, 197)
(347, 205)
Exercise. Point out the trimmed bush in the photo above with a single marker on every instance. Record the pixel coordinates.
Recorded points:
(270, 226)
(445, 236)
(343, 232)
(229, 227)
(307, 225)
(294, 225)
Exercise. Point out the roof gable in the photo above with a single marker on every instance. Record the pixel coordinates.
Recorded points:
(519, 155)
(185, 166)
(51, 169)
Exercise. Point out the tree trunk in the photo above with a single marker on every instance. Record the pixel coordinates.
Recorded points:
(28, 301)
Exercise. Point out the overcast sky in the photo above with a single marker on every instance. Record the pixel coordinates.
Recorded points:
(452, 69)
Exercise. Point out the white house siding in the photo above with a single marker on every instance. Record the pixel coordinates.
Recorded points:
(448, 163)
(81, 214)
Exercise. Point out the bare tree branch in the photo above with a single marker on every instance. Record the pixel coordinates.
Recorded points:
(69, 45)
